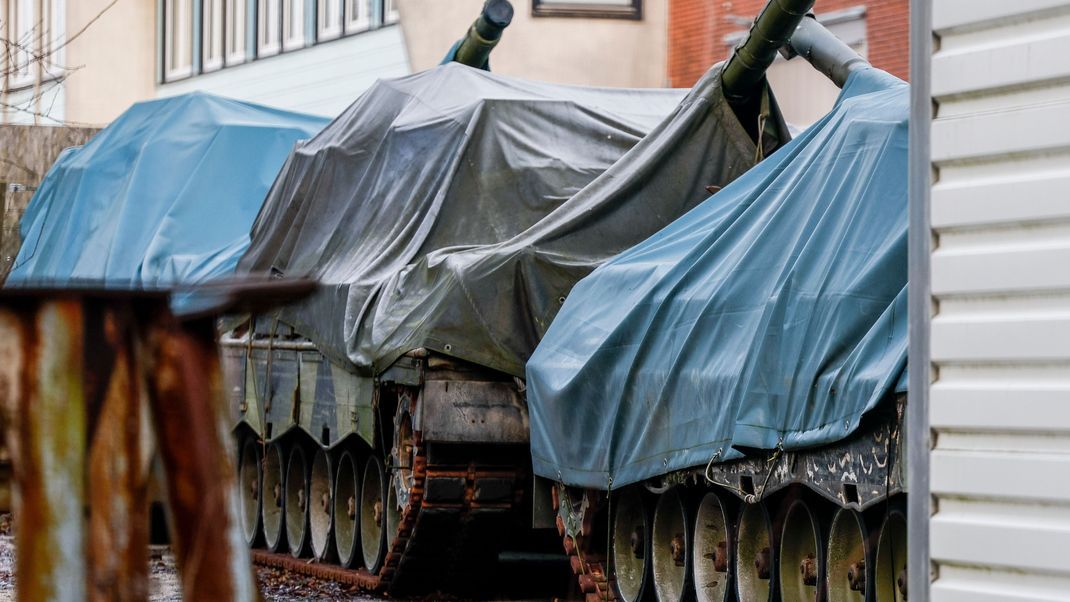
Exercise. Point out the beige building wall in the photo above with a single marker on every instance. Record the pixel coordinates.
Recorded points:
(115, 57)
(573, 50)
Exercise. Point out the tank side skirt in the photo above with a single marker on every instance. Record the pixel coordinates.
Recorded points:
(463, 498)
(858, 472)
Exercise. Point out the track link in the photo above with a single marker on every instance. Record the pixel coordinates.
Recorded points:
(452, 525)
(439, 531)
(588, 566)
(328, 572)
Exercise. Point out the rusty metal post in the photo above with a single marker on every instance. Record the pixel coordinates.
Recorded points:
(83, 374)
(193, 434)
(43, 370)
(72, 404)
(119, 457)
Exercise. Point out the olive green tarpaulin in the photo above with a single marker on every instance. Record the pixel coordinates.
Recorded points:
(454, 209)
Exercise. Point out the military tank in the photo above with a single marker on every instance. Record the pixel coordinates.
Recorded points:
(406, 471)
(383, 424)
(721, 407)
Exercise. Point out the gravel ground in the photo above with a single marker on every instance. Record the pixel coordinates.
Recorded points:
(275, 585)
(7, 569)
(164, 587)
(522, 578)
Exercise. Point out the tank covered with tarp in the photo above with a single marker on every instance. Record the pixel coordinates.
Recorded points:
(454, 209)
(164, 195)
(772, 316)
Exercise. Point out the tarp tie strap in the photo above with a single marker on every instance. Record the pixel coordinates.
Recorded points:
(763, 116)
(772, 466)
(706, 473)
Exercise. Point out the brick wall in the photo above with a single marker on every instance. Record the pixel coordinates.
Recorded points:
(697, 29)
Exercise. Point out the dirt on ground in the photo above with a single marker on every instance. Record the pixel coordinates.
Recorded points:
(518, 577)
(164, 586)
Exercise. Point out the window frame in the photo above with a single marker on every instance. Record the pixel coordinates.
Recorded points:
(293, 11)
(264, 46)
(351, 26)
(590, 9)
(330, 31)
(209, 41)
(21, 75)
(390, 13)
(171, 9)
(235, 13)
(230, 31)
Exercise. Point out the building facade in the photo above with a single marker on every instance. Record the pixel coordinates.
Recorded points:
(621, 43)
(85, 61)
(82, 62)
(311, 56)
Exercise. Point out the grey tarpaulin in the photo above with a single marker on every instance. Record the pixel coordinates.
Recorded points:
(774, 314)
(375, 206)
(449, 156)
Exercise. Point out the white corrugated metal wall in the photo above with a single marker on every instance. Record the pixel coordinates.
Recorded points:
(999, 404)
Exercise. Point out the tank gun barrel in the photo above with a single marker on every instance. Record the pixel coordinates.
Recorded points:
(827, 53)
(484, 34)
(746, 67)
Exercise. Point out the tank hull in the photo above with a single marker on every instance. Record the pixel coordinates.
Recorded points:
(442, 448)
(779, 526)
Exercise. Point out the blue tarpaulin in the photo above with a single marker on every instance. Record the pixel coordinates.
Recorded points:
(773, 314)
(164, 195)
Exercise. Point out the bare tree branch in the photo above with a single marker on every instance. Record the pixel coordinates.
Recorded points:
(32, 50)
(49, 88)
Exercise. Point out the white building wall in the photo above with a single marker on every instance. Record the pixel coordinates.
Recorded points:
(323, 79)
(999, 405)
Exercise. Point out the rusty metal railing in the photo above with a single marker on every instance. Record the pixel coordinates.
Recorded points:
(93, 383)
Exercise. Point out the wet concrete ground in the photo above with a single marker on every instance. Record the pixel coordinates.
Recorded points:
(519, 579)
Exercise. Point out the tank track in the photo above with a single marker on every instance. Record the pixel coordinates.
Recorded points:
(851, 493)
(588, 565)
(447, 503)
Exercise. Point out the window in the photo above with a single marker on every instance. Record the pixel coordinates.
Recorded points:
(268, 27)
(34, 38)
(390, 11)
(25, 29)
(212, 35)
(234, 22)
(178, 39)
(293, 24)
(358, 15)
(621, 9)
(329, 19)
(223, 26)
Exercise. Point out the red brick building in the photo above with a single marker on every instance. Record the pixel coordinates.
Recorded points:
(702, 33)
